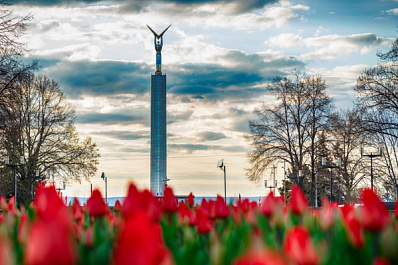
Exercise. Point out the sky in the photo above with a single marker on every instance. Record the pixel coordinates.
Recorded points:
(218, 55)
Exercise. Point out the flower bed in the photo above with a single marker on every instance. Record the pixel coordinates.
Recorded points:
(144, 230)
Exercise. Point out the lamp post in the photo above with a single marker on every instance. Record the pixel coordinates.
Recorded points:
(275, 181)
(14, 167)
(165, 181)
(221, 165)
(106, 186)
(331, 174)
(37, 176)
(284, 182)
(296, 178)
(371, 156)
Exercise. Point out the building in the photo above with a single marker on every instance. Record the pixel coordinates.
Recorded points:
(158, 177)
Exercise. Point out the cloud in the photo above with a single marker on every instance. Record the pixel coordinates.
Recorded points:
(234, 5)
(173, 117)
(393, 11)
(328, 46)
(113, 118)
(210, 136)
(125, 135)
(100, 77)
(190, 148)
(242, 76)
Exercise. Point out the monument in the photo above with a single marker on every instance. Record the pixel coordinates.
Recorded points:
(158, 121)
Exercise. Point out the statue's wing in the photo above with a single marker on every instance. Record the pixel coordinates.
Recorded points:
(154, 33)
(161, 34)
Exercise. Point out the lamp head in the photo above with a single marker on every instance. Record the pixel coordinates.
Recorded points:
(103, 175)
(220, 163)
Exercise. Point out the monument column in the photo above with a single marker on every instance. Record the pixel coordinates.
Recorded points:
(158, 122)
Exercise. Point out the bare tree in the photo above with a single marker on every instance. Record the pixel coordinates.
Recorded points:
(11, 29)
(348, 136)
(388, 168)
(319, 107)
(287, 128)
(377, 89)
(38, 123)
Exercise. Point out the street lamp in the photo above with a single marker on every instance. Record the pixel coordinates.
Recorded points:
(106, 186)
(275, 181)
(296, 178)
(221, 165)
(165, 181)
(331, 173)
(284, 182)
(36, 176)
(14, 167)
(371, 155)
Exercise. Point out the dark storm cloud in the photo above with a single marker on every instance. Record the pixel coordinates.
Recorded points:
(140, 5)
(99, 78)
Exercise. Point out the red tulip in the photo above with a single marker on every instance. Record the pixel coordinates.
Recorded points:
(131, 204)
(49, 204)
(204, 205)
(374, 213)
(6, 251)
(347, 210)
(77, 211)
(186, 214)
(117, 207)
(298, 201)
(96, 205)
(89, 236)
(299, 248)
(48, 243)
(191, 201)
(380, 261)
(268, 205)
(222, 210)
(203, 223)
(77, 231)
(327, 214)
(23, 227)
(169, 201)
(236, 214)
(354, 231)
(396, 209)
(3, 203)
(50, 237)
(244, 205)
(140, 242)
(260, 257)
(11, 206)
(150, 205)
(281, 199)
